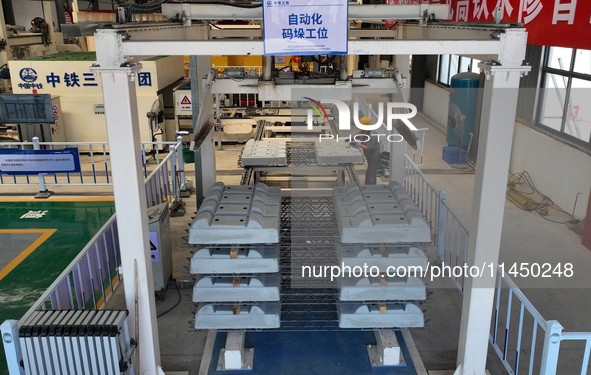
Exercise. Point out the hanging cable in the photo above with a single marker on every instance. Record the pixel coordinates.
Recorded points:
(175, 305)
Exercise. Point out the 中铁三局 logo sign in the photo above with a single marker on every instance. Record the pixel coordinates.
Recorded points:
(28, 74)
(394, 111)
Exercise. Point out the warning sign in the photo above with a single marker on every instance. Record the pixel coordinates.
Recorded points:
(186, 102)
(56, 112)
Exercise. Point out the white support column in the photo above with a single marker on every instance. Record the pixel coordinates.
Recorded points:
(499, 106)
(387, 350)
(4, 57)
(47, 15)
(402, 63)
(553, 331)
(494, 153)
(397, 161)
(207, 150)
(119, 93)
(234, 356)
(398, 149)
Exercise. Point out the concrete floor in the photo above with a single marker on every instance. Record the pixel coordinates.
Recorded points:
(526, 238)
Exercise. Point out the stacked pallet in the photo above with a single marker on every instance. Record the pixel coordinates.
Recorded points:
(379, 229)
(236, 232)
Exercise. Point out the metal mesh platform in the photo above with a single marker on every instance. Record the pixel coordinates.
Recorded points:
(309, 234)
(299, 156)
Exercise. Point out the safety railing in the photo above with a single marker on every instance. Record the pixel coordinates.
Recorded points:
(95, 162)
(423, 193)
(517, 327)
(514, 331)
(452, 239)
(164, 183)
(578, 336)
(90, 279)
(89, 282)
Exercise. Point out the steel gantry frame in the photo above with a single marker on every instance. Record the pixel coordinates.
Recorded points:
(119, 49)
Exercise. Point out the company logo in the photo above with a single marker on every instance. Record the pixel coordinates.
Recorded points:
(28, 74)
(394, 111)
(278, 3)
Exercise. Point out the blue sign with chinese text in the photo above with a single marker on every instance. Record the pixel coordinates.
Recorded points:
(304, 27)
(15, 161)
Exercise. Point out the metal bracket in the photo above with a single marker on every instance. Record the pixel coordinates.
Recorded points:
(121, 15)
(498, 14)
(43, 194)
(129, 68)
(125, 363)
(426, 18)
(490, 69)
(234, 356)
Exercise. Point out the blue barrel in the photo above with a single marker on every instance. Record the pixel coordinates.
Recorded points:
(464, 94)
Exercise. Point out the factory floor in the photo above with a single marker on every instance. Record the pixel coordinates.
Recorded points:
(527, 237)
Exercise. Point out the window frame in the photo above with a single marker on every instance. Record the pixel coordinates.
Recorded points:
(449, 71)
(569, 74)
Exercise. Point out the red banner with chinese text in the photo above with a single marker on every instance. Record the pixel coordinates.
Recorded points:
(562, 23)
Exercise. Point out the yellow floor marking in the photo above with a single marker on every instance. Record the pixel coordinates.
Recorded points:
(99, 303)
(15, 262)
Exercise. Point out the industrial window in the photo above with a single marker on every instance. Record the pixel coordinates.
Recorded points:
(566, 94)
(450, 65)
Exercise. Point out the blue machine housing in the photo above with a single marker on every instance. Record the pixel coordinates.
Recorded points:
(464, 94)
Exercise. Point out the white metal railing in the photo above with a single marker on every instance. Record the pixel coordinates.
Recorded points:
(452, 239)
(91, 279)
(509, 334)
(423, 193)
(164, 183)
(579, 336)
(99, 171)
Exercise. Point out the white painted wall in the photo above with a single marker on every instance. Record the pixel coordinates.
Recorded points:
(558, 170)
(436, 103)
(26, 10)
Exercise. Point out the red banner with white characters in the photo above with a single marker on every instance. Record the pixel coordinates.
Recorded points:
(562, 23)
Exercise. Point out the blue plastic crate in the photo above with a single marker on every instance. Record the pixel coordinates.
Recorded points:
(451, 155)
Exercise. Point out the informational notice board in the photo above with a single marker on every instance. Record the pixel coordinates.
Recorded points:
(304, 27)
(15, 161)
